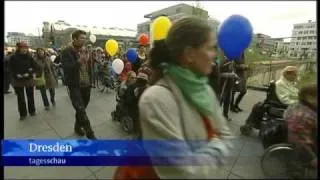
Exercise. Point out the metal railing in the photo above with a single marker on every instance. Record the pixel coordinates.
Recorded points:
(261, 74)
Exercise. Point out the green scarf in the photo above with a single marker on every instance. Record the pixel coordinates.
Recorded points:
(193, 87)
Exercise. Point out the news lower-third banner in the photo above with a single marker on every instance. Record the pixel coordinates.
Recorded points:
(16, 152)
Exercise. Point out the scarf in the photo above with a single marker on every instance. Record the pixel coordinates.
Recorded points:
(193, 87)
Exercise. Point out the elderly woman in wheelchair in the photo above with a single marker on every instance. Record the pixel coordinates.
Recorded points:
(280, 94)
(296, 152)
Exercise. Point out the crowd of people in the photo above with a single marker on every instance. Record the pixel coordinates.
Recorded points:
(180, 90)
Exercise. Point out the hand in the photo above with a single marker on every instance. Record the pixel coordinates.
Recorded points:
(26, 75)
(19, 76)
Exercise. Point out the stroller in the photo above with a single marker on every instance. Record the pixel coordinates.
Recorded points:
(267, 117)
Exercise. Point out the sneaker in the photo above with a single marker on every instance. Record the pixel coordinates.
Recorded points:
(238, 109)
(33, 114)
(47, 108)
(53, 103)
(235, 110)
(22, 118)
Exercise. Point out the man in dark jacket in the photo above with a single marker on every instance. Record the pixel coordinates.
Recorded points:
(78, 83)
(22, 67)
(241, 86)
(227, 84)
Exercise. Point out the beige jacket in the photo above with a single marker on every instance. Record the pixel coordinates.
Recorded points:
(166, 115)
(286, 91)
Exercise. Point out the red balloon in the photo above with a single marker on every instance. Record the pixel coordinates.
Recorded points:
(143, 39)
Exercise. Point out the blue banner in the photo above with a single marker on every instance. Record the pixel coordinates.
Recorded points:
(98, 153)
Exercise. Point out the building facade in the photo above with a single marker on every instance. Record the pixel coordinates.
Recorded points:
(14, 37)
(304, 43)
(175, 13)
(281, 47)
(58, 34)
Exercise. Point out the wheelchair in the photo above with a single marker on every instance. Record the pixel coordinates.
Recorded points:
(265, 115)
(121, 114)
(282, 160)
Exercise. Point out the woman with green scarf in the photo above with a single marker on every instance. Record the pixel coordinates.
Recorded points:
(181, 106)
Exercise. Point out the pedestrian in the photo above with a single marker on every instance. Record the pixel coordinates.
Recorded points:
(77, 80)
(141, 58)
(7, 74)
(241, 70)
(45, 78)
(181, 106)
(227, 83)
(22, 67)
(58, 67)
(97, 63)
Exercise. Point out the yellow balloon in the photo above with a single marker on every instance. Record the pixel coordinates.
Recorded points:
(111, 47)
(160, 27)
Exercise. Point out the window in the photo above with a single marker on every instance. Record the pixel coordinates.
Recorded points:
(310, 37)
(315, 37)
(297, 43)
(303, 43)
(304, 38)
(299, 38)
(300, 32)
(311, 32)
(305, 32)
(309, 43)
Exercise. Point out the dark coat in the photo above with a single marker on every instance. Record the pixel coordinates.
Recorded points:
(71, 66)
(20, 64)
(241, 71)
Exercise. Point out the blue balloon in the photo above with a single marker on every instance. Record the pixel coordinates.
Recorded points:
(131, 55)
(234, 36)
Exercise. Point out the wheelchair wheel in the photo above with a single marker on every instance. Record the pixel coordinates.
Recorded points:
(246, 130)
(127, 124)
(275, 161)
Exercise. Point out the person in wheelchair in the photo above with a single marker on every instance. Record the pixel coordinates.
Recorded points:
(286, 89)
(302, 122)
(130, 79)
(128, 103)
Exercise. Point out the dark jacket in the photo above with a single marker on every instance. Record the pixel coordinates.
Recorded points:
(20, 64)
(241, 71)
(214, 77)
(71, 66)
(6, 60)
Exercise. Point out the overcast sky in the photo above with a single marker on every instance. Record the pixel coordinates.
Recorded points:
(269, 17)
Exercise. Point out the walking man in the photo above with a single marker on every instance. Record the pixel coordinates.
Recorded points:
(77, 80)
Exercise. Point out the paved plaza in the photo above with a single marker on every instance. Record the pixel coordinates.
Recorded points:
(58, 123)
